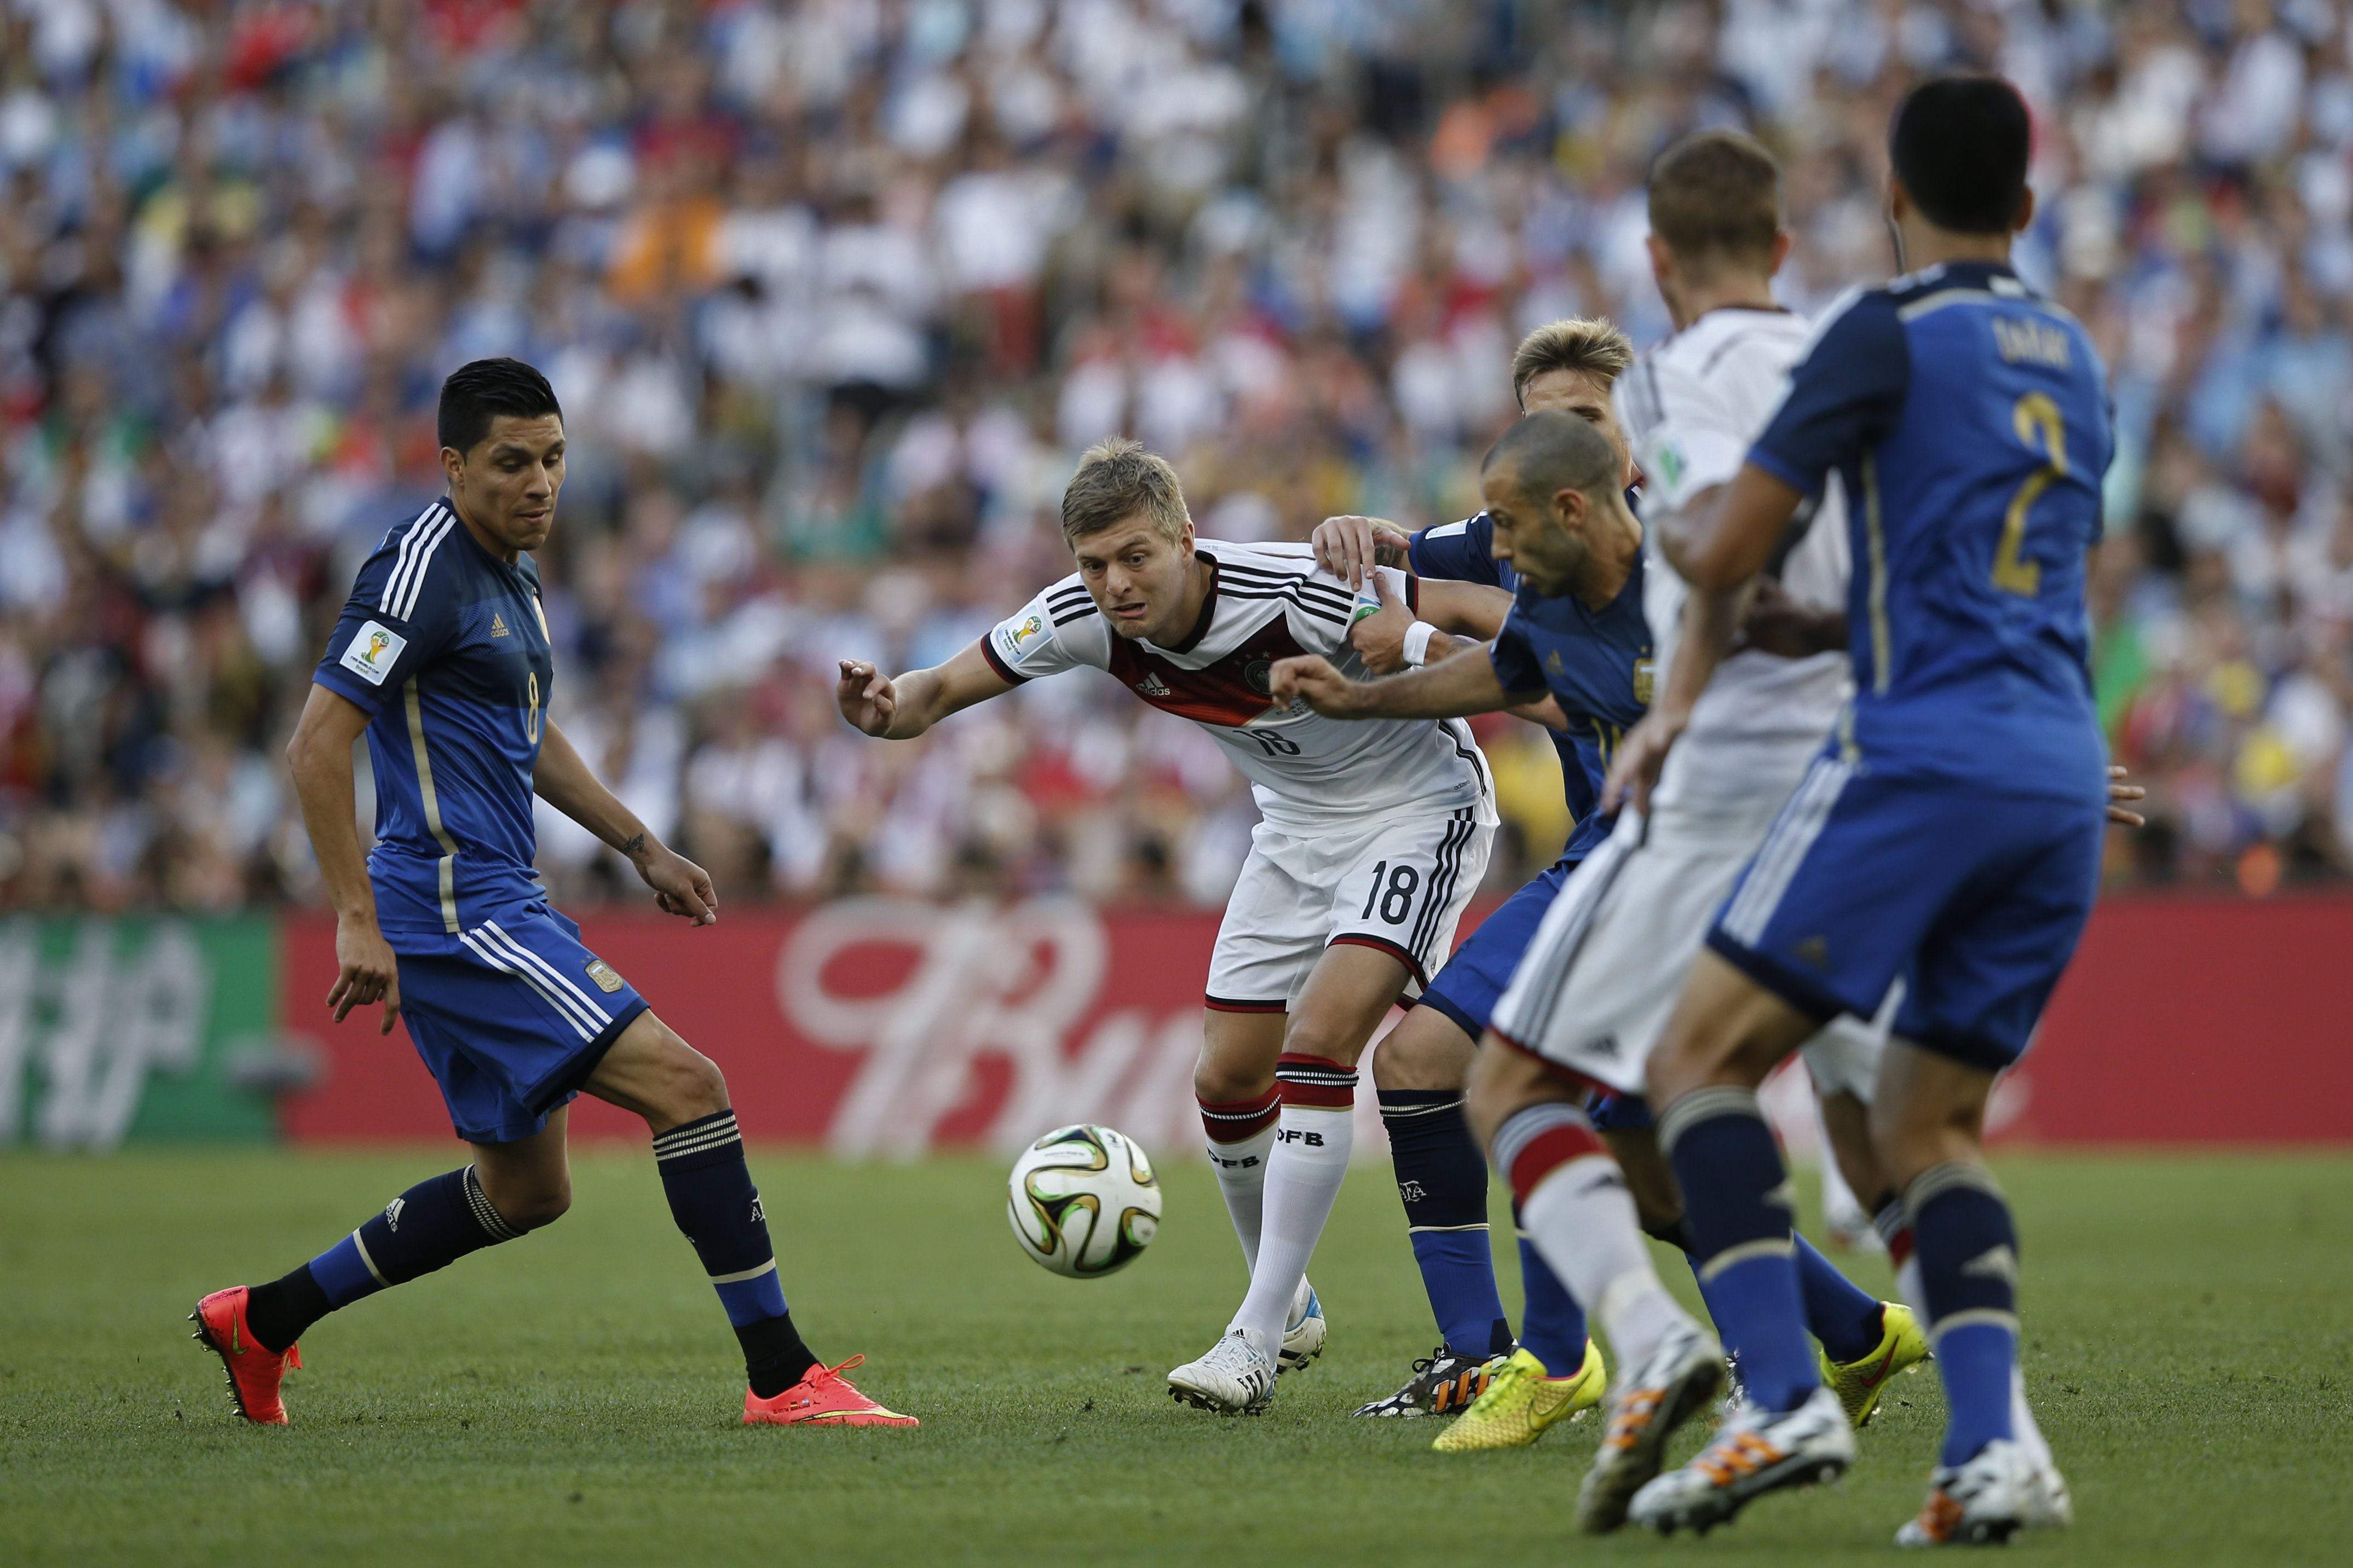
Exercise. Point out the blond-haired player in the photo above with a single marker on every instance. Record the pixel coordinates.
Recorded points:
(1372, 839)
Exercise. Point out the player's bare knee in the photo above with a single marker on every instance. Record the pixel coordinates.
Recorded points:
(1311, 1034)
(1501, 1081)
(539, 1209)
(530, 1201)
(686, 1085)
(702, 1086)
(1425, 1052)
(1221, 1080)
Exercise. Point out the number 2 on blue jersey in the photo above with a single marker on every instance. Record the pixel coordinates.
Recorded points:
(2033, 415)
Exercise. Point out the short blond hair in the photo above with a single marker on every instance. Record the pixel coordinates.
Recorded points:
(1118, 479)
(1586, 344)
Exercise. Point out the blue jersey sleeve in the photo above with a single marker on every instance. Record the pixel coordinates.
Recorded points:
(393, 623)
(1515, 662)
(1844, 396)
(1457, 552)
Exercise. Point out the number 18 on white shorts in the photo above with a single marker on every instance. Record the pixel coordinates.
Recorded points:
(1398, 884)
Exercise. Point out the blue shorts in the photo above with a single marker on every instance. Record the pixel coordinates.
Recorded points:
(1975, 900)
(1473, 980)
(511, 1016)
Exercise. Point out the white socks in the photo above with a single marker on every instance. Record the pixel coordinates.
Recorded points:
(1242, 1177)
(1302, 1177)
(1582, 1220)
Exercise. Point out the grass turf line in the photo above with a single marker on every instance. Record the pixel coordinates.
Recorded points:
(573, 1397)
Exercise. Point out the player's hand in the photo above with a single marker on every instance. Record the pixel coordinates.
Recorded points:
(1379, 638)
(1350, 546)
(1634, 770)
(1312, 676)
(680, 887)
(1778, 624)
(2120, 792)
(868, 699)
(366, 971)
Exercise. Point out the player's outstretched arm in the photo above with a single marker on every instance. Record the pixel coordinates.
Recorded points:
(320, 759)
(1452, 689)
(564, 780)
(903, 709)
(1723, 544)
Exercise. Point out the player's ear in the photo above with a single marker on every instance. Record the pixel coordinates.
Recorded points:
(453, 466)
(2025, 211)
(1781, 242)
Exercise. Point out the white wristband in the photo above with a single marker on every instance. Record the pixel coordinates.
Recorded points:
(1416, 642)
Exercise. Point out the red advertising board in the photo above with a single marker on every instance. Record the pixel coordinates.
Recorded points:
(884, 1027)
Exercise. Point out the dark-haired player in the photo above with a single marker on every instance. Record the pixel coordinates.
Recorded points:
(1948, 835)
(1507, 1391)
(442, 659)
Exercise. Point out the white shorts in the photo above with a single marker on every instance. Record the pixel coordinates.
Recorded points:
(1596, 986)
(1399, 884)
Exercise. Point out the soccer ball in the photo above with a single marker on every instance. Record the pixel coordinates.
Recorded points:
(1082, 1201)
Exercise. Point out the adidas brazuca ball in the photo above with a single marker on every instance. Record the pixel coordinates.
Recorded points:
(1083, 1201)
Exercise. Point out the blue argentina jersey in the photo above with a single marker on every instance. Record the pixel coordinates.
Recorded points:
(445, 646)
(1596, 665)
(1459, 553)
(1969, 421)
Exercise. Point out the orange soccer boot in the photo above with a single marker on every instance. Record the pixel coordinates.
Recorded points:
(822, 1398)
(255, 1371)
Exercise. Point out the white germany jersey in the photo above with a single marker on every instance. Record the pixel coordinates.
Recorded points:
(1265, 603)
(1691, 407)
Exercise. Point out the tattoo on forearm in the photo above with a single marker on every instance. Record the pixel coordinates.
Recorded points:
(636, 845)
(1388, 554)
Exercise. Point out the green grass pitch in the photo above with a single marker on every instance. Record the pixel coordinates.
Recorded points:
(573, 1398)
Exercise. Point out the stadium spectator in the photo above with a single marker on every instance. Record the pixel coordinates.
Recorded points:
(833, 292)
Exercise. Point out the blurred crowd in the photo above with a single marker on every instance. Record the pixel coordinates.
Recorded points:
(833, 292)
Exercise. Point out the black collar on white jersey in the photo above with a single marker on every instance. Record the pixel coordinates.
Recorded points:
(1208, 611)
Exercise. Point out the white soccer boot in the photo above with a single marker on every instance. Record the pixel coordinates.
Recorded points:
(1981, 1503)
(1302, 1338)
(2048, 1506)
(1236, 1378)
(1673, 1384)
(1756, 1452)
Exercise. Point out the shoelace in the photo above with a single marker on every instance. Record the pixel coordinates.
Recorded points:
(1509, 1376)
(825, 1374)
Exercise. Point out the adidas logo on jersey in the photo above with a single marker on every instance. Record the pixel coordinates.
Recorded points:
(1152, 686)
(498, 624)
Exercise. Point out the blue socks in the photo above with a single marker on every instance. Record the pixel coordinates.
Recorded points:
(713, 1200)
(1848, 1319)
(1967, 1250)
(1736, 1209)
(1552, 1325)
(430, 1226)
(1441, 1178)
